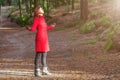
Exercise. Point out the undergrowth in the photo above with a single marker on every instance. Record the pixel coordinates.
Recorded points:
(104, 28)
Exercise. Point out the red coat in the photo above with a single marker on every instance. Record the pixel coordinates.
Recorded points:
(41, 40)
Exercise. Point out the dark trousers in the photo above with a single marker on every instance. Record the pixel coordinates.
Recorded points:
(41, 55)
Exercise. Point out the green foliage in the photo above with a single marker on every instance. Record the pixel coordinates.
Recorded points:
(29, 6)
(22, 21)
(101, 20)
(11, 10)
(92, 1)
(45, 7)
(0, 7)
(102, 1)
(88, 27)
(57, 3)
(91, 42)
(104, 28)
(0, 2)
(3, 2)
(15, 2)
(110, 35)
(102, 24)
(108, 44)
(104, 21)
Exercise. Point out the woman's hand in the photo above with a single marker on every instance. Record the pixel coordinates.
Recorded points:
(28, 28)
(54, 24)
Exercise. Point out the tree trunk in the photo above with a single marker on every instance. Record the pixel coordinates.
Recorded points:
(84, 9)
(20, 7)
(35, 3)
(27, 6)
(30, 8)
(48, 7)
(73, 1)
(9, 2)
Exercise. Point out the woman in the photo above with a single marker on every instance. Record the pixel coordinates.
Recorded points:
(41, 41)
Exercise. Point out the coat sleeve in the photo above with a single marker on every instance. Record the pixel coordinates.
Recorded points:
(50, 27)
(34, 25)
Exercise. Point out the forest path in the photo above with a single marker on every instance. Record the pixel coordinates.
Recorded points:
(72, 57)
(5, 22)
(67, 58)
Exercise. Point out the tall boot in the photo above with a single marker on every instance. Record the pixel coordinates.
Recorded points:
(45, 71)
(37, 73)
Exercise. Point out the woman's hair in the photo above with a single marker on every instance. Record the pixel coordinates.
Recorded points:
(36, 12)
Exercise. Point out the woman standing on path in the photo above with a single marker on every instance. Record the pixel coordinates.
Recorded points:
(41, 41)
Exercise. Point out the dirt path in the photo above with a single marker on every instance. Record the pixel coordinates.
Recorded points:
(4, 20)
(72, 56)
(67, 58)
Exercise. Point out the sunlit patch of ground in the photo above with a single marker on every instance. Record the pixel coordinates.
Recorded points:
(70, 57)
(111, 9)
(61, 75)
